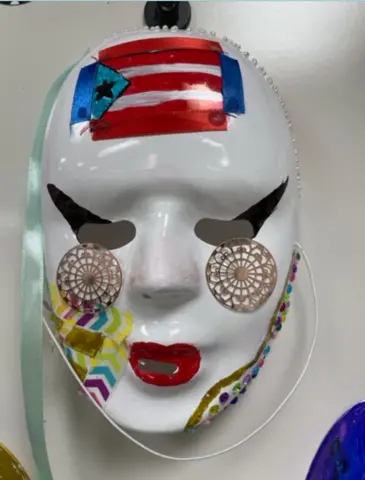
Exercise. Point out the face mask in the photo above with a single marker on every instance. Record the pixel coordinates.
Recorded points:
(170, 207)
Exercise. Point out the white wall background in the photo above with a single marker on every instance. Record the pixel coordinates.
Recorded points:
(316, 54)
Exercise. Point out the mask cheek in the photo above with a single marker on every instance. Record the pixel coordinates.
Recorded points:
(94, 339)
(241, 274)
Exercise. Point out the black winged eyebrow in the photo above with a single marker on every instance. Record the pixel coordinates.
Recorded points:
(75, 215)
(261, 211)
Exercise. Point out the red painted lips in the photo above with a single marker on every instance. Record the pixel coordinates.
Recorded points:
(185, 358)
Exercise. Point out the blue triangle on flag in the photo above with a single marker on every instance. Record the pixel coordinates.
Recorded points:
(109, 86)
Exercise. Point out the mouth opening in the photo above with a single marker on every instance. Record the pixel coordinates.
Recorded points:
(164, 365)
(152, 366)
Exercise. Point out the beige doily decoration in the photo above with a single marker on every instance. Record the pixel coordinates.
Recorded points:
(89, 278)
(241, 274)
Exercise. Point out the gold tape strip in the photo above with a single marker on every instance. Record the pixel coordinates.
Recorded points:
(80, 371)
(84, 341)
(10, 467)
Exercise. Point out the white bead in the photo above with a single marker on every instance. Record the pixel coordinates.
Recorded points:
(275, 88)
(246, 54)
(174, 28)
(146, 27)
(225, 39)
(270, 80)
(213, 34)
(201, 30)
(188, 29)
(238, 46)
(254, 61)
(262, 70)
(293, 140)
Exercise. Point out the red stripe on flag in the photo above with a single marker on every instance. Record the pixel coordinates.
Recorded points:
(171, 106)
(156, 44)
(174, 81)
(200, 57)
(182, 122)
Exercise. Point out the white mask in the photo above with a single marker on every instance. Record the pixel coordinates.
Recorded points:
(170, 141)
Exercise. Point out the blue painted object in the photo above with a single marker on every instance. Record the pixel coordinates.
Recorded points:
(232, 86)
(97, 88)
(81, 105)
(109, 86)
(341, 455)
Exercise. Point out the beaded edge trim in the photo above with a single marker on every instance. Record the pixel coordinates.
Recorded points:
(241, 378)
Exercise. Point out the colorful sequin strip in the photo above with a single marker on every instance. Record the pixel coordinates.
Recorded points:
(227, 391)
(95, 345)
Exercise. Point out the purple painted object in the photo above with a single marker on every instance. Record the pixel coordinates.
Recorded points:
(341, 455)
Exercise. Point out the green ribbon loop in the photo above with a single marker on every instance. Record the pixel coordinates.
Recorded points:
(32, 293)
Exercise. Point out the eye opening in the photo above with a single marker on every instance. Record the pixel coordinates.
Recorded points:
(111, 236)
(215, 232)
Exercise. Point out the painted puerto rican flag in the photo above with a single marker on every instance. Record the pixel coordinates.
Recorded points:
(160, 85)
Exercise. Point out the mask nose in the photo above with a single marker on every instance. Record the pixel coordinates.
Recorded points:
(164, 270)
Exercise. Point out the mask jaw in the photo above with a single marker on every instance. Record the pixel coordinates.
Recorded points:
(228, 390)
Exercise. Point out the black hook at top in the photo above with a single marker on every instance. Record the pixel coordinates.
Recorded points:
(13, 4)
(170, 14)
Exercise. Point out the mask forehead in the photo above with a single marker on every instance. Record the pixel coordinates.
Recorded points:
(254, 142)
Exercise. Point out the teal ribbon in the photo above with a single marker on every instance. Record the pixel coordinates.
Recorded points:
(32, 293)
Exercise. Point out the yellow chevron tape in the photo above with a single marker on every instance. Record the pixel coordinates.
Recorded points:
(91, 349)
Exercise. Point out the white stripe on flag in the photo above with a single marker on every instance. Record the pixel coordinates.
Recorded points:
(167, 68)
(149, 99)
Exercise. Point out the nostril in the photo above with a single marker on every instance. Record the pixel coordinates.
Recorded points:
(164, 294)
(160, 294)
